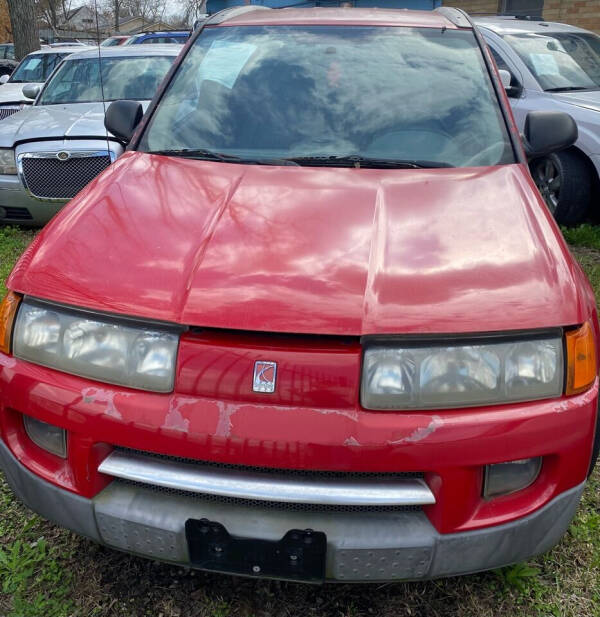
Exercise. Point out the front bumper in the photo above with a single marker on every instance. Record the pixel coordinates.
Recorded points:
(17, 206)
(360, 546)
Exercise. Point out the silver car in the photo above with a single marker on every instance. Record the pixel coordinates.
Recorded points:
(53, 149)
(35, 68)
(554, 67)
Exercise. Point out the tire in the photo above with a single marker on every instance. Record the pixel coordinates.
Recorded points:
(565, 182)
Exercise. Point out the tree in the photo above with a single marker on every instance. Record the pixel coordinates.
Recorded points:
(5, 31)
(192, 11)
(24, 26)
(54, 12)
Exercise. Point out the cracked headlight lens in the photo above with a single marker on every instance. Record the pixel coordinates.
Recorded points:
(8, 164)
(438, 377)
(99, 347)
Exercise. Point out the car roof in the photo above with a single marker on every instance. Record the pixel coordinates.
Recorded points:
(514, 25)
(163, 33)
(336, 16)
(123, 51)
(61, 50)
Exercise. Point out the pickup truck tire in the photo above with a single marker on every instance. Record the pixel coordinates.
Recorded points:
(565, 182)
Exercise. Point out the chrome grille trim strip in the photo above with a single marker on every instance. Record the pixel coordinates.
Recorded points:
(265, 487)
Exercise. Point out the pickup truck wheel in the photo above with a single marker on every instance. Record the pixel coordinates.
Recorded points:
(565, 182)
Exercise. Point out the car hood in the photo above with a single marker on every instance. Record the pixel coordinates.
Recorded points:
(13, 93)
(308, 250)
(54, 121)
(587, 100)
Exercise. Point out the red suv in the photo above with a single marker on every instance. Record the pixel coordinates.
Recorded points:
(317, 323)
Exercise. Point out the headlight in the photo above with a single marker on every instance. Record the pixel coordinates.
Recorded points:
(115, 351)
(428, 377)
(8, 164)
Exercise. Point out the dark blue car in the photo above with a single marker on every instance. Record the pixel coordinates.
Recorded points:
(159, 38)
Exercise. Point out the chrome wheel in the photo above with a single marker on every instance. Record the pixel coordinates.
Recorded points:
(547, 177)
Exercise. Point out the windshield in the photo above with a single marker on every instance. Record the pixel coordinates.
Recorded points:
(328, 91)
(36, 68)
(130, 78)
(111, 42)
(560, 60)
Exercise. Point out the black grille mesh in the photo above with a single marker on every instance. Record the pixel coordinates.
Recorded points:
(15, 214)
(271, 505)
(53, 179)
(293, 473)
(5, 112)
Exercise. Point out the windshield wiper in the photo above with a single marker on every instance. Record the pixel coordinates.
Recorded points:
(568, 89)
(356, 160)
(203, 154)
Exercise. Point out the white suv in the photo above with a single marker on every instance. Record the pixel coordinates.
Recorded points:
(555, 67)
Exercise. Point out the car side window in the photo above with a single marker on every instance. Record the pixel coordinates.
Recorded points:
(516, 87)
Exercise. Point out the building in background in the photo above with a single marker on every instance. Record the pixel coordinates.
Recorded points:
(582, 13)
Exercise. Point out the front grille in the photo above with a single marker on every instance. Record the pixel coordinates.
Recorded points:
(8, 111)
(50, 178)
(314, 475)
(271, 505)
(15, 214)
(293, 473)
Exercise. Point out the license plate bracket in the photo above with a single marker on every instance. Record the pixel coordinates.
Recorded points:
(299, 555)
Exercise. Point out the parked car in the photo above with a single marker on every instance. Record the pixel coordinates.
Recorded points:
(52, 149)
(111, 41)
(556, 67)
(7, 59)
(159, 38)
(317, 322)
(35, 68)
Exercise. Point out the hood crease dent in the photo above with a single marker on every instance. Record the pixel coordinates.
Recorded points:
(333, 251)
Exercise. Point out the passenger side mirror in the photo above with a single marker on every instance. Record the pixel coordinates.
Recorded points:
(547, 132)
(122, 118)
(511, 84)
(31, 91)
(4, 79)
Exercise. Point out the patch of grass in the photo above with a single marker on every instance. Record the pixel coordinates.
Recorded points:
(13, 241)
(583, 235)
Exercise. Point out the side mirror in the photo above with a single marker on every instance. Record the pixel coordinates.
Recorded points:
(122, 118)
(547, 132)
(31, 91)
(511, 84)
(4, 79)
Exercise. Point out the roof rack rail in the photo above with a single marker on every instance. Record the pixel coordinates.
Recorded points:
(163, 31)
(457, 16)
(234, 11)
(528, 17)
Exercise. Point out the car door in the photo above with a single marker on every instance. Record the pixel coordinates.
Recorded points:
(517, 95)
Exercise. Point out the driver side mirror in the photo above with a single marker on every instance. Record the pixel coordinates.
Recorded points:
(547, 132)
(122, 118)
(511, 84)
(31, 91)
(4, 79)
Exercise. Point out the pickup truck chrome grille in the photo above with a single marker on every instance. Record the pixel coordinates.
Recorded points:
(60, 175)
(256, 486)
(8, 110)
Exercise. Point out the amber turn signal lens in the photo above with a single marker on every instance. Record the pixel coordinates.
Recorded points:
(8, 310)
(581, 359)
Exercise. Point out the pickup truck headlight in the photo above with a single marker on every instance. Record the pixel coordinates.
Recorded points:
(442, 376)
(8, 164)
(117, 351)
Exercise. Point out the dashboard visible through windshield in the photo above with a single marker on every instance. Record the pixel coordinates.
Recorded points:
(329, 95)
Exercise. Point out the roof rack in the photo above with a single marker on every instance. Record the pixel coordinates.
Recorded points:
(234, 11)
(457, 16)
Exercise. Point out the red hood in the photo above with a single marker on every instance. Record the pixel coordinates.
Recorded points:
(308, 250)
